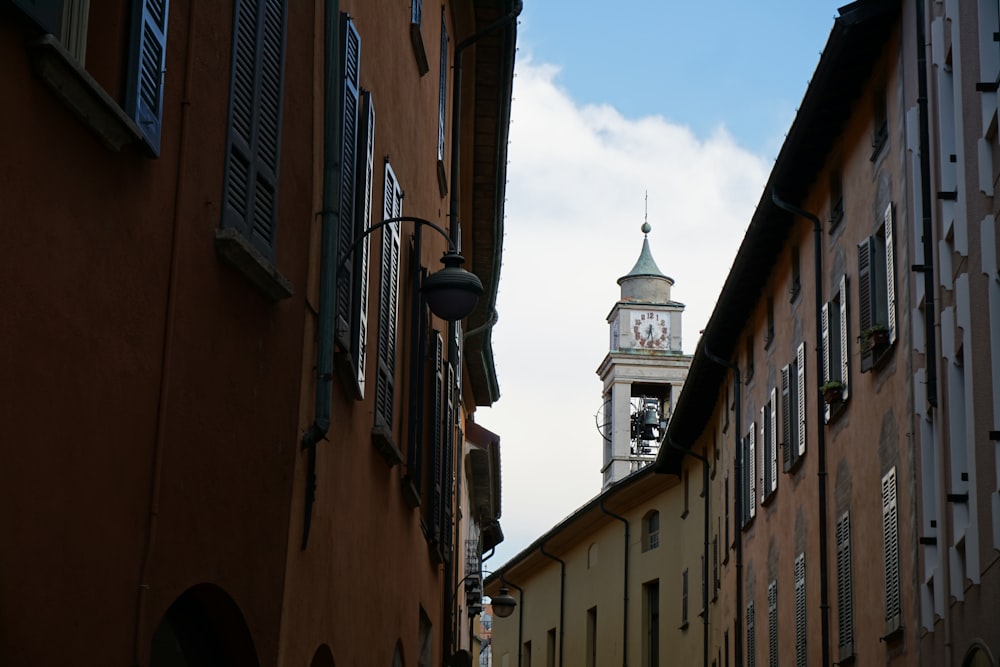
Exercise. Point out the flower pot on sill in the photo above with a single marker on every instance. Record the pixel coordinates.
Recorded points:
(877, 339)
(833, 395)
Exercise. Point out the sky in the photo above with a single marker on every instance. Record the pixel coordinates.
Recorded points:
(686, 103)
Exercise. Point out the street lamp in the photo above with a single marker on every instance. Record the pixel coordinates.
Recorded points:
(452, 292)
(503, 604)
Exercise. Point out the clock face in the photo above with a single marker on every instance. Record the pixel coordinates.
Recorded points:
(650, 329)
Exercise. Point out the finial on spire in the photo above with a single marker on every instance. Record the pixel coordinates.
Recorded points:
(645, 220)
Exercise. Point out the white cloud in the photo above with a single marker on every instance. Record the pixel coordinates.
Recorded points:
(575, 204)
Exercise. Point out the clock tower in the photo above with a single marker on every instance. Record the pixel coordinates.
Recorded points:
(644, 370)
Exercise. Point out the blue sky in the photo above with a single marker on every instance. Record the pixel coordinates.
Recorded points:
(686, 101)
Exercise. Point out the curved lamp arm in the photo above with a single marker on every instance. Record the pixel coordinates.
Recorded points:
(389, 221)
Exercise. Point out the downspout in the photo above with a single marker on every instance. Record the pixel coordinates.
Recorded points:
(824, 602)
(704, 570)
(925, 205)
(625, 585)
(520, 616)
(562, 596)
(330, 219)
(737, 500)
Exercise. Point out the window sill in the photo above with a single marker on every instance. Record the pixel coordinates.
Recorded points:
(419, 52)
(846, 655)
(233, 247)
(71, 83)
(442, 179)
(769, 498)
(685, 513)
(836, 409)
(411, 493)
(894, 633)
(386, 446)
(683, 626)
(794, 464)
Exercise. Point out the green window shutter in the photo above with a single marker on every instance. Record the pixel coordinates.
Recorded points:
(250, 202)
(845, 348)
(350, 104)
(866, 297)
(146, 68)
(890, 275)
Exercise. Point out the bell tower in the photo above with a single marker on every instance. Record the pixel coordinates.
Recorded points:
(644, 369)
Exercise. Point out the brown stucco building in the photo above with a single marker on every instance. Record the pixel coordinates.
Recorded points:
(217, 451)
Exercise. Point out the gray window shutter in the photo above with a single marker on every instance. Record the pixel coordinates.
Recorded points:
(437, 443)
(442, 88)
(752, 471)
(890, 275)
(146, 68)
(350, 102)
(388, 304)
(800, 356)
(251, 186)
(800, 611)
(845, 348)
(447, 473)
(787, 420)
(751, 632)
(773, 439)
(866, 298)
(772, 623)
(890, 537)
(361, 259)
(845, 587)
(825, 338)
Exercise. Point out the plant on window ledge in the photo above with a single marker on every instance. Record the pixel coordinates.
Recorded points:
(833, 391)
(875, 338)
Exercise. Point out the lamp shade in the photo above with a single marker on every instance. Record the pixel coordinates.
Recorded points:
(452, 293)
(503, 604)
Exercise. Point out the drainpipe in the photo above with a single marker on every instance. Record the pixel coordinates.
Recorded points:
(925, 205)
(625, 585)
(704, 571)
(330, 220)
(737, 499)
(824, 602)
(562, 596)
(520, 616)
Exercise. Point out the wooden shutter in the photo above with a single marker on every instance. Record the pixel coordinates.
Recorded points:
(845, 596)
(772, 623)
(845, 348)
(752, 471)
(350, 104)
(251, 186)
(800, 357)
(890, 275)
(866, 298)
(800, 611)
(418, 376)
(360, 261)
(751, 643)
(787, 420)
(146, 68)
(773, 439)
(890, 538)
(388, 303)
(437, 442)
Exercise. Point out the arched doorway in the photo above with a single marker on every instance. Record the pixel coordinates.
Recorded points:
(203, 628)
(978, 655)
(323, 657)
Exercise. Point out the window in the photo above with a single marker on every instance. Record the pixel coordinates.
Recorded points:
(550, 648)
(890, 540)
(592, 556)
(877, 293)
(796, 286)
(416, 38)
(357, 148)
(836, 200)
(769, 335)
(749, 354)
(442, 104)
(527, 654)
(251, 187)
(880, 123)
(67, 24)
(442, 442)
(800, 611)
(845, 589)
(250, 200)
(772, 623)
(425, 637)
(592, 637)
(651, 530)
(715, 567)
(687, 494)
(651, 624)
(835, 347)
(751, 644)
(385, 378)
(750, 474)
(769, 440)
(726, 543)
(684, 599)
(413, 480)
(793, 408)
